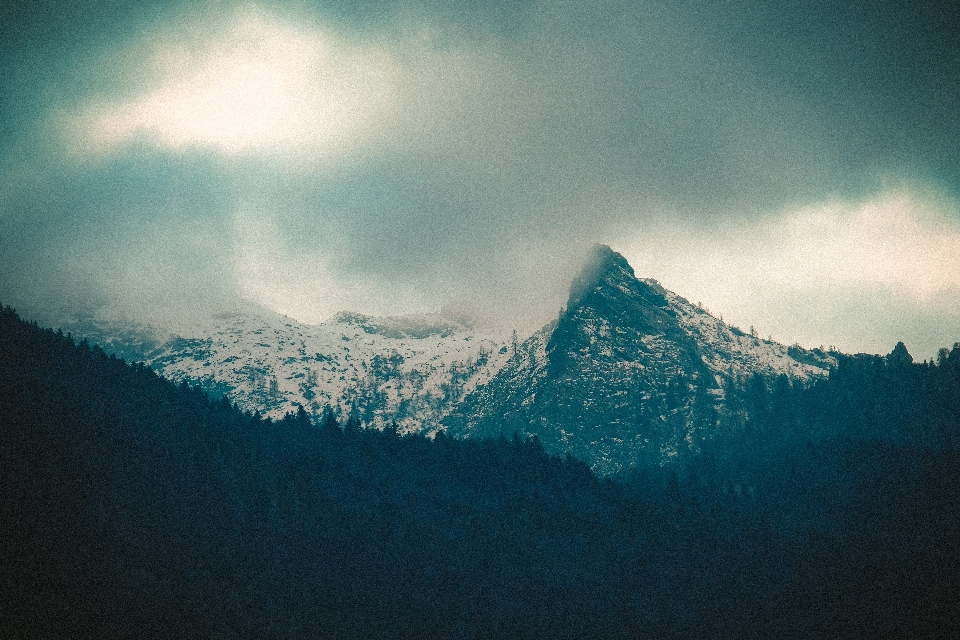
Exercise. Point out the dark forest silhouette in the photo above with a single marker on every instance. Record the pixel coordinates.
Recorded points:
(133, 507)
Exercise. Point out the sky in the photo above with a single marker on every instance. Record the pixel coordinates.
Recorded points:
(794, 167)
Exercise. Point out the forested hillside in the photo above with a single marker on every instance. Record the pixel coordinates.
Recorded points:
(132, 507)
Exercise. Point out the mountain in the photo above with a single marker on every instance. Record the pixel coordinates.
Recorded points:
(628, 372)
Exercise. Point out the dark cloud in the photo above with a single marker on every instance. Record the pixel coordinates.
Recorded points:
(470, 153)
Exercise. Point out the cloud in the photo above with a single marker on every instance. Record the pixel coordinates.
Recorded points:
(273, 271)
(846, 272)
(897, 240)
(408, 155)
(252, 83)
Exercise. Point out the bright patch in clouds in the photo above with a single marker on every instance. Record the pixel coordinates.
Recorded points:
(896, 241)
(255, 84)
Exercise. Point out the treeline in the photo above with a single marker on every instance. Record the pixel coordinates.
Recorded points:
(852, 484)
(133, 507)
(768, 431)
(866, 397)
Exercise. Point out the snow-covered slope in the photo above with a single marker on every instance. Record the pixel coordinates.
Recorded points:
(410, 370)
(728, 351)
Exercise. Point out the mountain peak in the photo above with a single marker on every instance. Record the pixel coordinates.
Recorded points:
(601, 262)
(628, 372)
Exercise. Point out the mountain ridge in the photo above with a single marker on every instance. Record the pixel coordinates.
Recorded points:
(627, 371)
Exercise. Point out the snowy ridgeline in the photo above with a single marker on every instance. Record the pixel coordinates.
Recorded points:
(410, 370)
(728, 350)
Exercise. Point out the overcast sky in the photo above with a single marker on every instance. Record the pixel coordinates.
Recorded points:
(793, 166)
